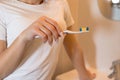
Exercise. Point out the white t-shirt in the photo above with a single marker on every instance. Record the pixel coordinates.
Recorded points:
(40, 59)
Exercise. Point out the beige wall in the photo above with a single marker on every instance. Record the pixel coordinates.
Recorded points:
(101, 45)
(74, 6)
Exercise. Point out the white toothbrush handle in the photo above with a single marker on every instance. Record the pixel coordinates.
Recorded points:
(74, 32)
(69, 32)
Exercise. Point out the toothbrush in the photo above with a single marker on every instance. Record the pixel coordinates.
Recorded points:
(82, 30)
(73, 32)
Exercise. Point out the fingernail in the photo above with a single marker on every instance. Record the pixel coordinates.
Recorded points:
(61, 34)
(64, 35)
(50, 44)
(57, 40)
(44, 41)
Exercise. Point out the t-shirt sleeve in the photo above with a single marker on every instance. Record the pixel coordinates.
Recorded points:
(2, 30)
(67, 14)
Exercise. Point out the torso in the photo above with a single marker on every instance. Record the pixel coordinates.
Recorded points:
(40, 59)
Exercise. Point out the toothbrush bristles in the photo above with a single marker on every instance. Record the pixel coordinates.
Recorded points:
(83, 29)
(87, 28)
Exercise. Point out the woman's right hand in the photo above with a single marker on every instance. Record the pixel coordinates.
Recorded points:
(46, 28)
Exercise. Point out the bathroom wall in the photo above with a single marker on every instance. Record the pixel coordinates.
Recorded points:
(105, 7)
(101, 45)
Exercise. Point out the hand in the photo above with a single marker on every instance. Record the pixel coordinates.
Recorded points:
(87, 75)
(46, 28)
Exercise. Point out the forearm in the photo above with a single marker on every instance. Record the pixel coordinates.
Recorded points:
(75, 53)
(11, 57)
(45, 28)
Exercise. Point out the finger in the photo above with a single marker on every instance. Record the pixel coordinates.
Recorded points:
(51, 28)
(48, 33)
(93, 75)
(54, 23)
(41, 35)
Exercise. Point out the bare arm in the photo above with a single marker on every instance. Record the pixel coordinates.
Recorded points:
(46, 28)
(76, 54)
(2, 45)
(10, 57)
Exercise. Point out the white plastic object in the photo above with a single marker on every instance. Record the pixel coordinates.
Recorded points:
(69, 32)
(115, 1)
(74, 32)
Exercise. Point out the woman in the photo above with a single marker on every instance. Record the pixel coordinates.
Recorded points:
(31, 34)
